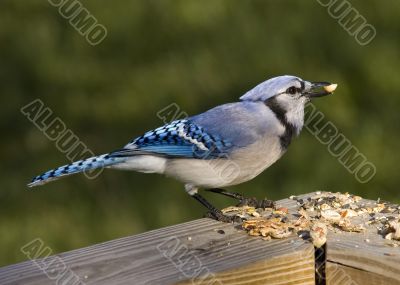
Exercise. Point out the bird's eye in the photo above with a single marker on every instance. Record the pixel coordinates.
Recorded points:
(291, 90)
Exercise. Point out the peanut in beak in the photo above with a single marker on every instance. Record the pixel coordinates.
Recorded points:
(330, 88)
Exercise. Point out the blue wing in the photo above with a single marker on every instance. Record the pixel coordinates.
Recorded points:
(179, 139)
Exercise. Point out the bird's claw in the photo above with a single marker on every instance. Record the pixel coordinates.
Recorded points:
(219, 216)
(244, 201)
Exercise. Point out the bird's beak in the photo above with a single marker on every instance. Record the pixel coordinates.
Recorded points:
(320, 89)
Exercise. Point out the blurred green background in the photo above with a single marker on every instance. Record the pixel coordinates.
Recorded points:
(196, 54)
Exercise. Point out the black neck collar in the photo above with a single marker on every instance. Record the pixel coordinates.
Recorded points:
(280, 113)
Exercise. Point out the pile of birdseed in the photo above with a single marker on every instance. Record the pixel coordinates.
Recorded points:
(313, 217)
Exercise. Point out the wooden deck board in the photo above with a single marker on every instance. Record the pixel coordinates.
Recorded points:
(352, 252)
(211, 252)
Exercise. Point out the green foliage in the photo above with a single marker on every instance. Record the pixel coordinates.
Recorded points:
(196, 54)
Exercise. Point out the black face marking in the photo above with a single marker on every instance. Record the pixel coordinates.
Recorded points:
(302, 85)
(280, 113)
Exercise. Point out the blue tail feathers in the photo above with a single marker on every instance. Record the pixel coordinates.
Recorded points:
(76, 167)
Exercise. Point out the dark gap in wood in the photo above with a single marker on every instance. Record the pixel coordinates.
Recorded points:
(320, 265)
(349, 266)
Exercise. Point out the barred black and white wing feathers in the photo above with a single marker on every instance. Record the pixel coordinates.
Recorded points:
(178, 139)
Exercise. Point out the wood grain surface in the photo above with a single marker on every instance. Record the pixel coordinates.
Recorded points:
(204, 250)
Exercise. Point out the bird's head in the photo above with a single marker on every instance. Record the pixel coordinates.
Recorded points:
(288, 95)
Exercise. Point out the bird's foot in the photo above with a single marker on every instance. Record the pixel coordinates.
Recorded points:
(219, 216)
(215, 213)
(244, 201)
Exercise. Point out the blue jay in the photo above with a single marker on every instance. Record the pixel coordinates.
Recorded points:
(227, 145)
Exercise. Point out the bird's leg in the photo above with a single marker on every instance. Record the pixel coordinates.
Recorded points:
(214, 212)
(244, 201)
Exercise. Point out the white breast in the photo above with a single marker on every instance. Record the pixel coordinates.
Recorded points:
(256, 158)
